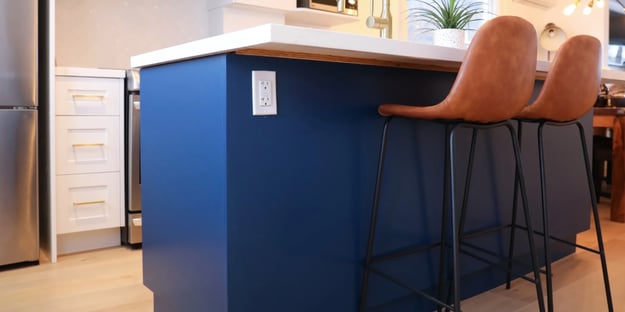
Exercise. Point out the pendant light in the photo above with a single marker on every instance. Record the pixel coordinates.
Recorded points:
(588, 8)
(570, 9)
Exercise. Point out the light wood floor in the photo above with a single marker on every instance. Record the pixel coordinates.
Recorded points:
(103, 280)
(577, 279)
(111, 280)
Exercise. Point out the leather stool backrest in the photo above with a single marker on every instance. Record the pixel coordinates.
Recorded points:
(572, 83)
(495, 80)
(497, 76)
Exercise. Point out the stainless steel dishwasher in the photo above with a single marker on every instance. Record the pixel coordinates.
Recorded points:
(131, 233)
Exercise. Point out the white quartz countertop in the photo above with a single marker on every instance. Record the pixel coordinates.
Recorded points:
(304, 41)
(90, 72)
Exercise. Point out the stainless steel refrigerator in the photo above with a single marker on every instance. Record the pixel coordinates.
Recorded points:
(19, 214)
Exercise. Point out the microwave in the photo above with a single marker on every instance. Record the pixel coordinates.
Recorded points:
(347, 7)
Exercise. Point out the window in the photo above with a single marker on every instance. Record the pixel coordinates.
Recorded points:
(417, 30)
(615, 55)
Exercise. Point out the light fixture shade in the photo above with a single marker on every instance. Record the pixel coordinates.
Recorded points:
(552, 37)
(599, 3)
(569, 9)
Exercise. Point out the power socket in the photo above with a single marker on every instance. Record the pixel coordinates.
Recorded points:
(264, 93)
(264, 101)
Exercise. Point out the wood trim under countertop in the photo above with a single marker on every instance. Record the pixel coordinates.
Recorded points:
(440, 66)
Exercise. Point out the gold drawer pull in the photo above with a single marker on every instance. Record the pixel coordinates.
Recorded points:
(87, 144)
(87, 97)
(94, 202)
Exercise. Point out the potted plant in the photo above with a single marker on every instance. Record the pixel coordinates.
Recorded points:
(447, 19)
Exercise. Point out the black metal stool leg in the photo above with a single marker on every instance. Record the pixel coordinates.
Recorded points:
(455, 218)
(465, 197)
(374, 216)
(528, 220)
(467, 183)
(515, 205)
(545, 211)
(442, 263)
(454, 224)
(595, 213)
(467, 188)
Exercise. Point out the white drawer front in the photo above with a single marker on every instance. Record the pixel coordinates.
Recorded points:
(87, 144)
(88, 202)
(88, 96)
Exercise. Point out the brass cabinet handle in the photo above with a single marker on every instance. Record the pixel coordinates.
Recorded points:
(94, 202)
(87, 144)
(87, 96)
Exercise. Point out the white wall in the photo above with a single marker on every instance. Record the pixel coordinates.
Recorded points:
(105, 33)
(595, 24)
(96, 33)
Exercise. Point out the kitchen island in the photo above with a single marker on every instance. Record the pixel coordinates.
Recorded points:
(270, 213)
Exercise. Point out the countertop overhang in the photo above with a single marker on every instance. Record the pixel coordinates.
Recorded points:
(89, 72)
(315, 44)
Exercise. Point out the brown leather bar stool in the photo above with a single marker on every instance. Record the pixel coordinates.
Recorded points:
(493, 84)
(569, 92)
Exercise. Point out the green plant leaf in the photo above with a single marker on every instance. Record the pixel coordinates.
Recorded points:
(439, 14)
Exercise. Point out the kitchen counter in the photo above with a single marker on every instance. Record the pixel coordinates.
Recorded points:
(247, 213)
(309, 43)
(89, 72)
(301, 42)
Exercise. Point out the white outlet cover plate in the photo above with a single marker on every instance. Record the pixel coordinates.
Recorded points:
(259, 107)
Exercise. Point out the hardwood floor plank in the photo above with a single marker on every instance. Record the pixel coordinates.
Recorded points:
(102, 280)
(577, 279)
(111, 280)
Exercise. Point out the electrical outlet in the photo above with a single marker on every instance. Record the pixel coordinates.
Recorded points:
(264, 87)
(264, 101)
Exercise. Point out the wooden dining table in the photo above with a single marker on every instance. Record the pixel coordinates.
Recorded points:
(614, 118)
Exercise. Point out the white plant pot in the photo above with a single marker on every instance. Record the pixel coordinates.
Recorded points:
(447, 37)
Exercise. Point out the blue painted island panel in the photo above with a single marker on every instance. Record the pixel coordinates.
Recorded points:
(247, 213)
(184, 177)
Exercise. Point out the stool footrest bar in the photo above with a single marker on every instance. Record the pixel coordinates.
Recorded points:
(412, 289)
(485, 232)
(498, 265)
(555, 238)
(404, 252)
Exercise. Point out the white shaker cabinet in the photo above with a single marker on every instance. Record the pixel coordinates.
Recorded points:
(88, 158)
